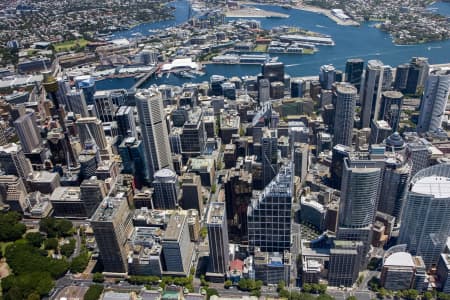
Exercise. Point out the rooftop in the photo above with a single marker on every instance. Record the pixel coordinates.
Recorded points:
(66, 193)
(438, 186)
(107, 209)
(399, 259)
(174, 227)
(216, 213)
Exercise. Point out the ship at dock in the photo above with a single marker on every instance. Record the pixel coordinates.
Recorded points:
(244, 59)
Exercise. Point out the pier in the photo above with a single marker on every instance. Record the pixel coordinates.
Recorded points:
(145, 78)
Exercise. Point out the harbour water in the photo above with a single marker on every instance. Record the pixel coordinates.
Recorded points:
(364, 42)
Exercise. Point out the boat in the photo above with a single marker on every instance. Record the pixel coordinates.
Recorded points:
(139, 76)
(186, 74)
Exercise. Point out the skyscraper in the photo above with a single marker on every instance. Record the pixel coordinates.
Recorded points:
(219, 257)
(112, 226)
(361, 181)
(125, 122)
(192, 192)
(104, 106)
(28, 132)
(165, 184)
(274, 71)
(327, 76)
(86, 83)
(177, 246)
(91, 128)
(132, 154)
(14, 162)
(420, 155)
(394, 187)
(77, 102)
(269, 155)
(401, 77)
(427, 213)
(345, 261)
(92, 192)
(269, 214)
(434, 100)
(353, 71)
(301, 160)
(339, 153)
(370, 93)
(391, 106)
(193, 136)
(298, 87)
(264, 91)
(154, 130)
(345, 108)
(417, 74)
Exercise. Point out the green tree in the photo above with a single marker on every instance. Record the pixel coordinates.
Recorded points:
(324, 297)
(94, 292)
(29, 285)
(307, 288)
(352, 298)
(203, 232)
(243, 284)
(281, 285)
(51, 244)
(228, 284)
(24, 258)
(410, 294)
(80, 262)
(35, 238)
(283, 293)
(98, 277)
(33, 296)
(428, 295)
(10, 227)
(56, 227)
(211, 292)
(68, 249)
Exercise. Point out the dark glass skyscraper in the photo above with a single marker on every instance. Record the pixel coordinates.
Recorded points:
(274, 71)
(131, 152)
(353, 71)
(269, 215)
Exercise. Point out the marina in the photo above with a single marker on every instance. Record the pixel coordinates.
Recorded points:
(365, 42)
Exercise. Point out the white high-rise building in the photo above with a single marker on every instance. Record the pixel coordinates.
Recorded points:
(77, 102)
(154, 130)
(426, 216)
(345, 108)
(434, 100)
(92, 128)
(28, 132)
(327, 76)
(361, 181)
(371, 87)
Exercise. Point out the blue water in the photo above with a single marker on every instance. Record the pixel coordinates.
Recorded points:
(364, 42)
(442, 8)
(181, 15)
